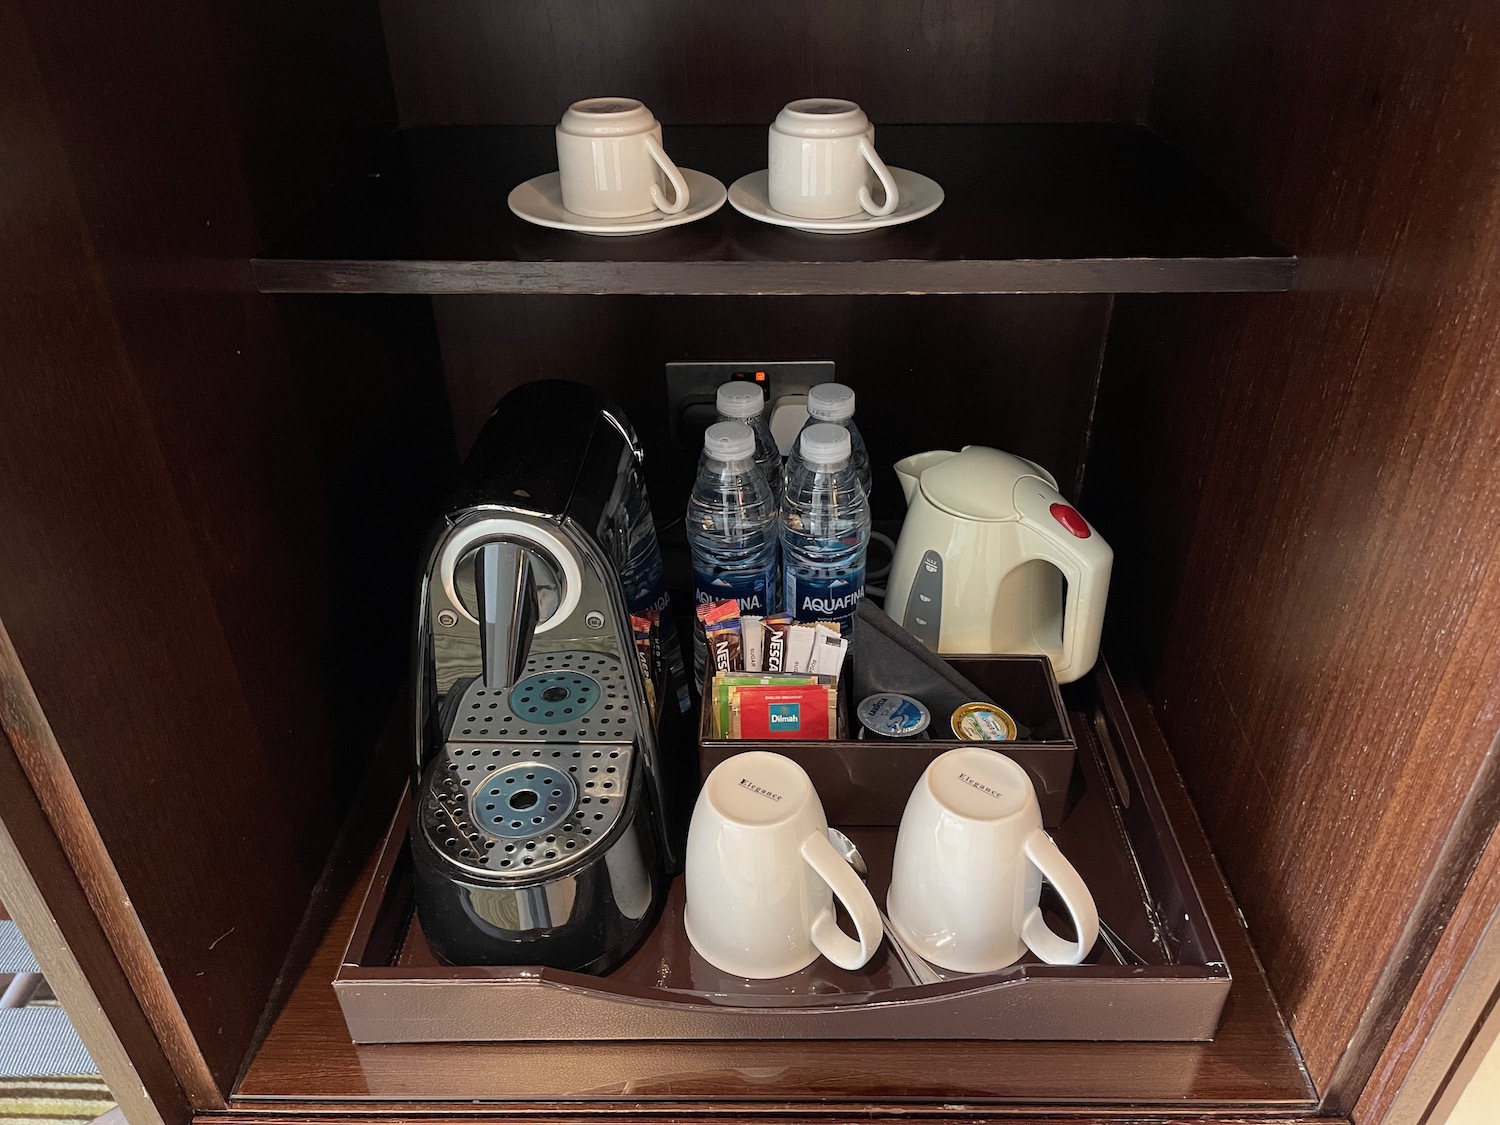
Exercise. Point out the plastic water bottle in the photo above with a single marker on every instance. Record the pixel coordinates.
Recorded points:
(731, 528)
(825, 530)
(834, 403)
(746, 402)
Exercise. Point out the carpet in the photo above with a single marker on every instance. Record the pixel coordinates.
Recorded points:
(53, 1101)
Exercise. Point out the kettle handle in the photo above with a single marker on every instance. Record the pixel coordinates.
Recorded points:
(1048, 524)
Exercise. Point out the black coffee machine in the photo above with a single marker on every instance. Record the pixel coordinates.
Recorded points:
(550, 805)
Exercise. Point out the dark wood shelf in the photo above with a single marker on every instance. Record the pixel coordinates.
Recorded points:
(1252, 1067)
(1029, 209)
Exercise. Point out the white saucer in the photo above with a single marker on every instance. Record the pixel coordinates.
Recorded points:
(919, 196)
(539, 201)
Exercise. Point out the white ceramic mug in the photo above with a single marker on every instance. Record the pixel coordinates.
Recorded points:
(761, 874)
(611, 164)
(823, 164)
(970, 857)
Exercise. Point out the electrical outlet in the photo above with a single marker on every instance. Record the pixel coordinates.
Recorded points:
(691, 388)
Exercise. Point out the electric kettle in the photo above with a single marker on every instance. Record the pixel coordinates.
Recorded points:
(991, 558)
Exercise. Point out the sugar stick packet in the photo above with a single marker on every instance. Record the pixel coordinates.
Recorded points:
(827, 652)
(799, 646)
(753, 642)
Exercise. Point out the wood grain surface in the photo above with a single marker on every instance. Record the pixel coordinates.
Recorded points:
(1028, 367)
(468, 62)
(62, 376)
(72, 940)
(1457, 987)
(307, 1060)
(1027, 208)
(164, 562)
(1300, 485)
(1296, 486)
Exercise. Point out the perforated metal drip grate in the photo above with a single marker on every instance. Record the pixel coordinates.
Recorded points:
(564, 697)
(555, 697)
(521, 800)
(522, 810)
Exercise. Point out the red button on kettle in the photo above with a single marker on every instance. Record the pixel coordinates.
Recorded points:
(1071, 520)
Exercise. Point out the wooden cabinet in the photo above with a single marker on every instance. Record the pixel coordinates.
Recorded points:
(249, 327)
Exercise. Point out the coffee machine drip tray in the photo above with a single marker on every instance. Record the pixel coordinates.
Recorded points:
(523, 811)
(569, 696)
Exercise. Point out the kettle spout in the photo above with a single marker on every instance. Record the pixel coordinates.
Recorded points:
(909, 470)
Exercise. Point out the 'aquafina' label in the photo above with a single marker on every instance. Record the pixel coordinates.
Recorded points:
(824, 598)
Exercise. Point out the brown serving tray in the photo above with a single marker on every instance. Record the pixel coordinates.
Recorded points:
(867, 781)
(393, 989)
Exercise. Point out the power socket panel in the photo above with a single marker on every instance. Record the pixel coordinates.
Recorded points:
(691, 388)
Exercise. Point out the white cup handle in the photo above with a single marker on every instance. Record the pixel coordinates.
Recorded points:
(674, 177)
(832, 942)
(1075, 894)
(883, 174)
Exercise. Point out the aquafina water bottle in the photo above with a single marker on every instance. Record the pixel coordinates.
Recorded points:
(825, 530)
(731, 527)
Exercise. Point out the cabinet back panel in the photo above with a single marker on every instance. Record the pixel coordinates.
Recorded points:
(474, 62)
(1304, 497)
(1017, 372)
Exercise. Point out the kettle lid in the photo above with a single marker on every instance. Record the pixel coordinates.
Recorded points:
(978, 483)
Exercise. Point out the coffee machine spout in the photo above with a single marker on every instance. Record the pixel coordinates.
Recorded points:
(506, 592)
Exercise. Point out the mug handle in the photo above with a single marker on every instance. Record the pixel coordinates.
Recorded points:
(1061, 874)
(883, 174)
(674, 177)
(832, 942)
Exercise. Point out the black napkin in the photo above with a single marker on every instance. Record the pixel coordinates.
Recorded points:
(888, 658)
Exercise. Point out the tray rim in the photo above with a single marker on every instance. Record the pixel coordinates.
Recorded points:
(354, 975)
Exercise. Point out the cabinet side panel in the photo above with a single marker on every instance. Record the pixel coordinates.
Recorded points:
(1430, 1057)
(81, 970)
(471, 62)
(1302, 489)
(171, 473)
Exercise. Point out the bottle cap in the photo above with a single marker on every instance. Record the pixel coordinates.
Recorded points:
(740, 400)
(825, 444)
(729, 441)
(831, 402)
